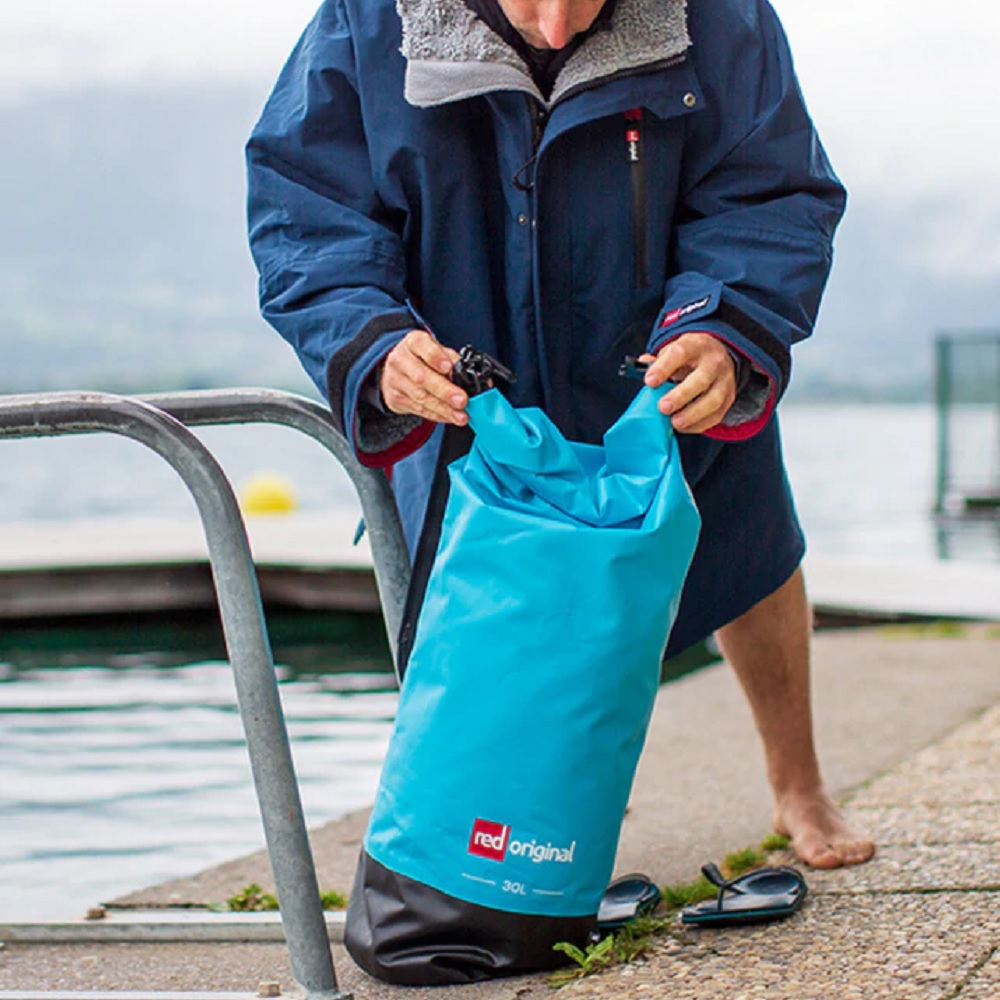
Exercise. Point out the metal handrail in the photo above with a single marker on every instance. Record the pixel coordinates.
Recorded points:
(253, 405)
(53, 414)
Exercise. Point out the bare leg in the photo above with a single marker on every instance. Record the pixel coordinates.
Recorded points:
(768, 648)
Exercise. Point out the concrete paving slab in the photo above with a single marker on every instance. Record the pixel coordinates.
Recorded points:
(187, 967)
(701, 793)
(984, 729)
(935, 786)
(894, 947)
(916, 868)
(926, 824)
(984, 984)
(143, 966)
(335, 849)
(198, 926)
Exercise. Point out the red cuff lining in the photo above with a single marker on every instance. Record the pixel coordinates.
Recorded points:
(741, 432)
(738, 432)
(398, 451)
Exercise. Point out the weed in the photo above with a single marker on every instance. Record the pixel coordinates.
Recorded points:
(333, 900)
(252, 897)
(685, 893)
(740, 862)
(775, 842)
(625, 945)
(628, 943)
(941, 629)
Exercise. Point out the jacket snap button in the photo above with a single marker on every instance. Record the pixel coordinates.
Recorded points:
(522, 219)
(690, 100)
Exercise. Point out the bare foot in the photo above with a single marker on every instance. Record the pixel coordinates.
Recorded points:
(819, 834)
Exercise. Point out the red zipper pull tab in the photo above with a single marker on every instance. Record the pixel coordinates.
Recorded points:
(633, 134)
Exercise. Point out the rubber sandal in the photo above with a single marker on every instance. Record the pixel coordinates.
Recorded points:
(626, 898)
(761, 895)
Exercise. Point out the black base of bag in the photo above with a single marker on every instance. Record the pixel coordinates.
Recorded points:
(406, 933)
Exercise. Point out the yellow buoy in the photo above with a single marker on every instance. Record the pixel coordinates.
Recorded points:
(268, 493)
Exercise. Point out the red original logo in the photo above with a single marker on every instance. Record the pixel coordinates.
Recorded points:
(489, 840)
(675, 314)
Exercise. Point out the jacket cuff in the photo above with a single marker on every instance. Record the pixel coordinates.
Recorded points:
(383, 438)
(393, 439)
(756, 398)
(769, 363)
(378, 439)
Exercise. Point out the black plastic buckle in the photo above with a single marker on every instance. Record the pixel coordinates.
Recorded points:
(632, 367)
(475, 371)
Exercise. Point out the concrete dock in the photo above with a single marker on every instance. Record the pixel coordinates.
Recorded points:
(909, 731)
(129, 565)
(309, 560)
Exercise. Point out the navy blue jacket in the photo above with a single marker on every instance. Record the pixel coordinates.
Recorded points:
(411, 174)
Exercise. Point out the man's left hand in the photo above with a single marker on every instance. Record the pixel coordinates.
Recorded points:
(706, 375)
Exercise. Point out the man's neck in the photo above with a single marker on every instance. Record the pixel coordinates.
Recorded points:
(543, 64)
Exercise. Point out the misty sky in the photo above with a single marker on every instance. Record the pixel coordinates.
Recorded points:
(905, 92)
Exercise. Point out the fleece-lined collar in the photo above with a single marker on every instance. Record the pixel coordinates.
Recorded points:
(452, 55)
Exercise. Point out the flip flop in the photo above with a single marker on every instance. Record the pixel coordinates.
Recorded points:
(761, 895)
(626, 898)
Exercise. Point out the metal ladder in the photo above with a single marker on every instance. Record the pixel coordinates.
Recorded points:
(159, 422)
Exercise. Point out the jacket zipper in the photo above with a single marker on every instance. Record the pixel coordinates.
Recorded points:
(524, 176)
(636, 158)
(637, 171)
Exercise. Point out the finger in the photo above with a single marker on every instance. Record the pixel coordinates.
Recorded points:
(417, 378)
(433, 354)
(666, 364)
(658, 378)
(411, 385)
(704, 412)
(425, 393)
(693, 385)
(406, 397)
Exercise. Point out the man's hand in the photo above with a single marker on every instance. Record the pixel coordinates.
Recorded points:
(415, 380)
(706, 375)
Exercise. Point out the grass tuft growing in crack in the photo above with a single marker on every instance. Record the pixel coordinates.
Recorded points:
(625, 945)
(252, 899)
(775, 842)
(634, 939)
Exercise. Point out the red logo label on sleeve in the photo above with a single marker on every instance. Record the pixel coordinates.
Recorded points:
(675, 314)
(489, 840)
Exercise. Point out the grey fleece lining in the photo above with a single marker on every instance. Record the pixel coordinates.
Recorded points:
(452, 55)
(378, 430)
(750, 403)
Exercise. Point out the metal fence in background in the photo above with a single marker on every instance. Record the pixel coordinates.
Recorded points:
(967, 393)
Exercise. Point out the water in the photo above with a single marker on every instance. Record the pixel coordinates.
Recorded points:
(129, 769)
(863, 476)
(864, 481)
(112, 779)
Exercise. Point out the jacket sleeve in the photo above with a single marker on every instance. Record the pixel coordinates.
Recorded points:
(331, 261)
(760, 203)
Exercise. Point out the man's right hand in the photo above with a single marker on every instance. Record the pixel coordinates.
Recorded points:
(415, 380)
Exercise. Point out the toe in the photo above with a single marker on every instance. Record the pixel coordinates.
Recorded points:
(855, 852)
(817, 852)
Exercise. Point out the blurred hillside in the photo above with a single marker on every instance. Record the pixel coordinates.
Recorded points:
(123, 262)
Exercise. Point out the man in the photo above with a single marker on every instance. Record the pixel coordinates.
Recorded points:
(562, 183)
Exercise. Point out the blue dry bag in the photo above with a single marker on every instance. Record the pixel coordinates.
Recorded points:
(527, 695)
